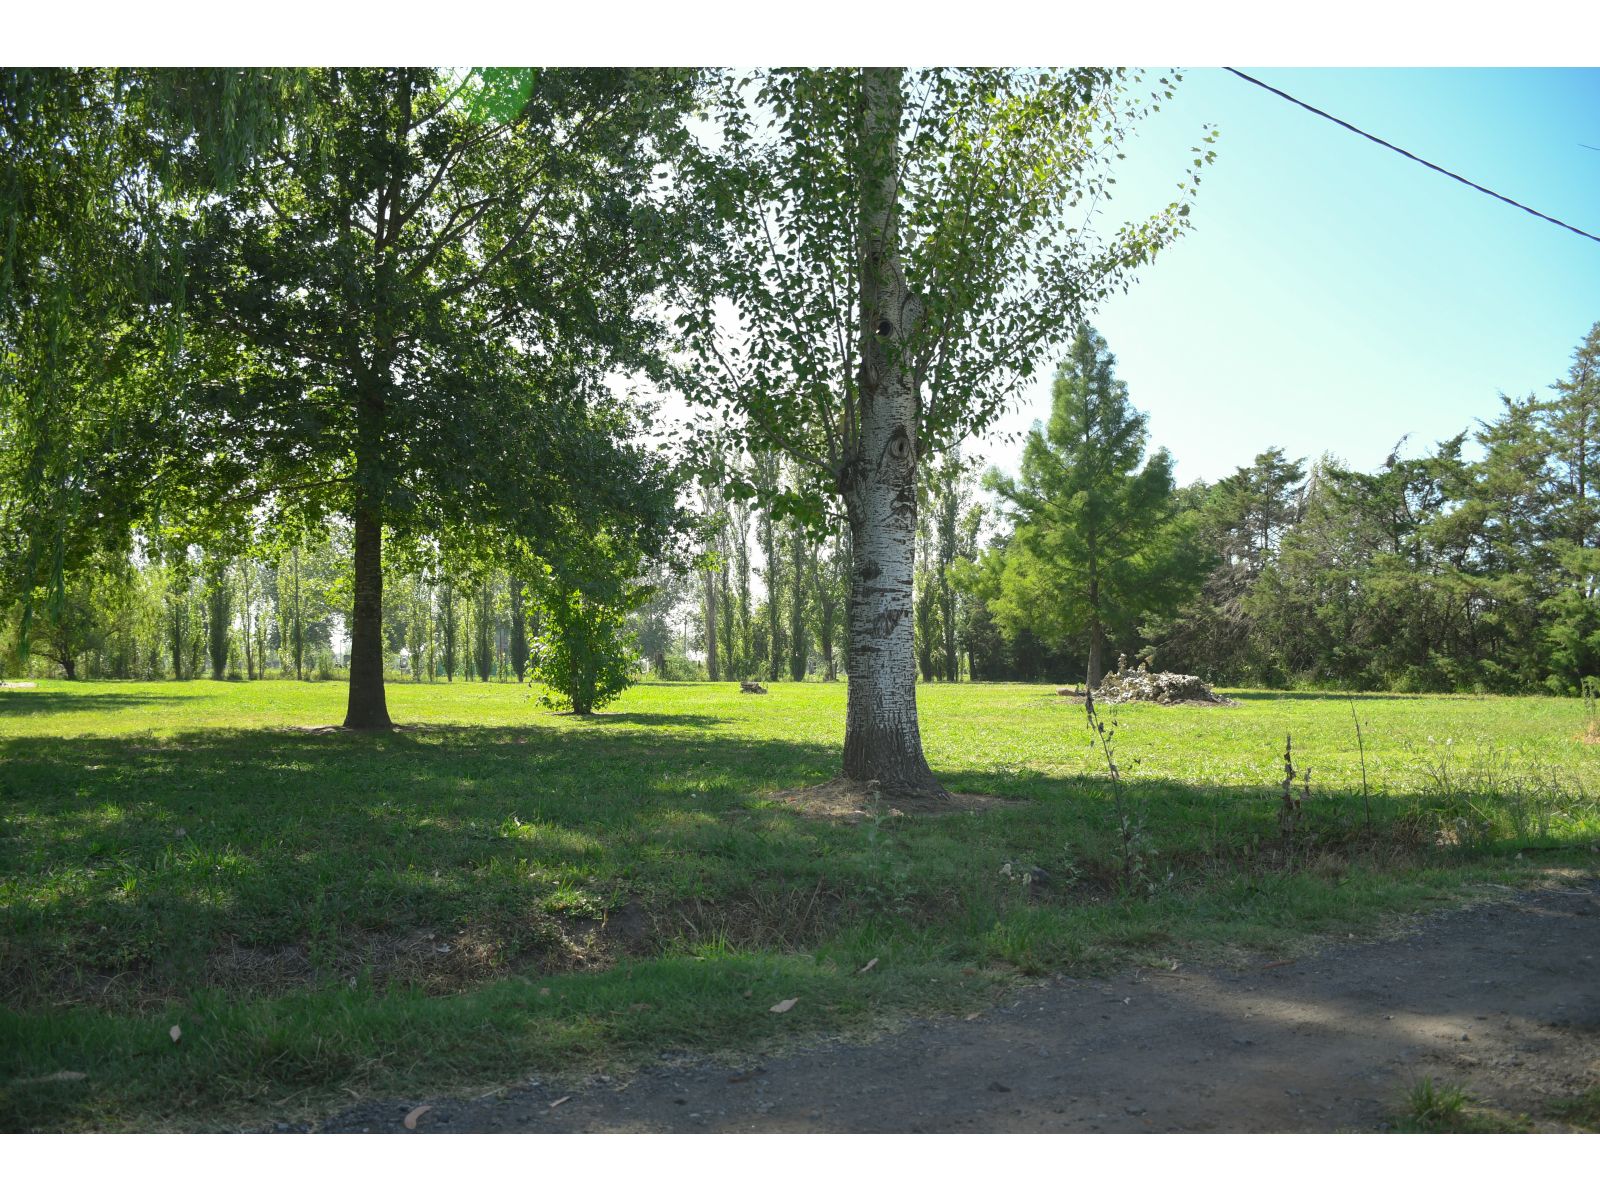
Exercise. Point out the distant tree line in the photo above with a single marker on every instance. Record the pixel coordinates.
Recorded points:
(1473, 566)
(189, 612)
(1470, 566)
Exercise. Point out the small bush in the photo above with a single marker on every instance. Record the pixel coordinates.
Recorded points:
(584, 652)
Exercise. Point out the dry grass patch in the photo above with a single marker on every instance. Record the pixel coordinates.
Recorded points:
(848, 802)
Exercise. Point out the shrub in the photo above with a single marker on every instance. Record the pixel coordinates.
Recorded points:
(584, 650)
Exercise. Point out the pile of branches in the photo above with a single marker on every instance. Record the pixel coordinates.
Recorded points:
(1137, 684)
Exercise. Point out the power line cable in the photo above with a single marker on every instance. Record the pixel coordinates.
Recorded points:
(1414, 158)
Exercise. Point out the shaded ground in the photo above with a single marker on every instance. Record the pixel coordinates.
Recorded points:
(1502, 999)
(844, 800)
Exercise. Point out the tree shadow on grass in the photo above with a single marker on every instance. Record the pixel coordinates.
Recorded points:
(149, 860)
(31, 702)
(1346, 697)
(665, 720)
(260, 858)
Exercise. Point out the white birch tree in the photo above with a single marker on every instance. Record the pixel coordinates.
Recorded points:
(904, 247)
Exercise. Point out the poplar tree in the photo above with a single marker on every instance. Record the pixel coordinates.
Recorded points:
(903, 248)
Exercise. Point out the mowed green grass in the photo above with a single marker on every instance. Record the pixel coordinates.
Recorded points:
(496, 890)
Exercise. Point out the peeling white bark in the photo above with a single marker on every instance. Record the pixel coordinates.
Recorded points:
(882, 739)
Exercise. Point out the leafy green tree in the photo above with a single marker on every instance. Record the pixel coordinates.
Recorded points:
(925, 597)
(584, 652)
(903, 247)
(1099, 543)
(1258, 504)
(95, 167)
(766, 477)
(1239, 523)
(398, 303)
(801, 553)
(519, 627)
(830, 582)
(712, 564)
(1571, 426)
(219, 614)
(651, 623)
(955, 537)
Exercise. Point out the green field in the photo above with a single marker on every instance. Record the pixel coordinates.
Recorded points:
(495, 890)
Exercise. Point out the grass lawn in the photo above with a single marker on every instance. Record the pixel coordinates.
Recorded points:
(497, 891)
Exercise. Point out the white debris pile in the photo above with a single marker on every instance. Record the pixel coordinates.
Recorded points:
(1136, 684)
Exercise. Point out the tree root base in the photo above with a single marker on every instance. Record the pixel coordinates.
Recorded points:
(848, 801)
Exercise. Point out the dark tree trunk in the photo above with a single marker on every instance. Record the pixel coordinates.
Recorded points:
(368, 708)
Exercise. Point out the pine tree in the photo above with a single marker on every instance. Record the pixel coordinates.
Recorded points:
(1099, 543)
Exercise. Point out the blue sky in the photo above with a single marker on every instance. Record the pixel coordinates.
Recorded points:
(1333, 295)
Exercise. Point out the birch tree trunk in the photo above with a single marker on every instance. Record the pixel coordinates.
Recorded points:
(882, 740)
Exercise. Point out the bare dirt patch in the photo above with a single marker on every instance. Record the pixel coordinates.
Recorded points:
(1500, 998)
(395, 728)
(848, 802)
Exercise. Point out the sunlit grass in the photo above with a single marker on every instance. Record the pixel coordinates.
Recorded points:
(328, 911)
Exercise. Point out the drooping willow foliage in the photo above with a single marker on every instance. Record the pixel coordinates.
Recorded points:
(97, 170)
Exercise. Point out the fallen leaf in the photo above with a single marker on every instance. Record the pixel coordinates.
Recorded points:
(972, 1016)
(563, 1100)
(783, 1006)
(748, 993)
(175, 1033)
(411, 1117)
(868, 967)
(544, 991)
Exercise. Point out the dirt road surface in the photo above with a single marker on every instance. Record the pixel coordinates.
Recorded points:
(1502, 998)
